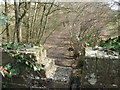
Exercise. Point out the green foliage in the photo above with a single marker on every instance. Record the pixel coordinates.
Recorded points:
(88, 42)
(22, 62)
(86, 37)
(0, 44)
(111, 46)
(3, 19)
(14, 46)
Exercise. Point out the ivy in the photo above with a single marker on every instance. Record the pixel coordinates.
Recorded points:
(15, 46)
(22, 61)
(111, 46)
(3, 19)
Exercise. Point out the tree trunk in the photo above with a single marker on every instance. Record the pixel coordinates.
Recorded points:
(20, 34)
(7, 25)
(17, 23)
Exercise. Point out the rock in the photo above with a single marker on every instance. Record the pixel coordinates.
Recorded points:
(6, 58)
(96, 68)
(39, 53)
(89, 52)
(74, 86)
(60, 76)
(50, 68)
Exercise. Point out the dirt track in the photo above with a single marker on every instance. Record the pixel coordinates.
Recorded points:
(57, 46)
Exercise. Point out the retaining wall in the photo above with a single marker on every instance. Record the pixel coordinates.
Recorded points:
(100, 70)
(60, 76)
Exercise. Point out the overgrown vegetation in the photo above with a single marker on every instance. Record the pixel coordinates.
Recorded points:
(23, 62)
(111, 46)
(34, 22)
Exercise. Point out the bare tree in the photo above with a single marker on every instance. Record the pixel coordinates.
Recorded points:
(90, 19)
(7, 24)
(18, 17)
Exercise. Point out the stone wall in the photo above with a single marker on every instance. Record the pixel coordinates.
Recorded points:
(38, 52)
(100, 70)
(59, 76)
(5, 58)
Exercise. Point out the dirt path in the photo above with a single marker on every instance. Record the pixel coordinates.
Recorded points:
(57, 46)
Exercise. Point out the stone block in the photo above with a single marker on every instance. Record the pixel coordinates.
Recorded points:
(39, 53)
(6, 58)
(100, 69)
(60, 76)
(89, 52)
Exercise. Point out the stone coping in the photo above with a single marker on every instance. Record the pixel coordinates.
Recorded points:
(89, 53)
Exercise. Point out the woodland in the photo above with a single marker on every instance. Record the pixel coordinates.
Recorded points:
(65, 30)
